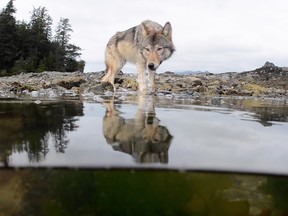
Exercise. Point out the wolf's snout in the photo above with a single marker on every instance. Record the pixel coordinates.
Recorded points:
(151, 66)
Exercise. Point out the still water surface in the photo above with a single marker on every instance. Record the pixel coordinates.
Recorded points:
(144, 156)
(144, 133)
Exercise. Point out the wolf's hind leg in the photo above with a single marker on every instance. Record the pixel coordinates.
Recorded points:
(113, 65)
(109, 77)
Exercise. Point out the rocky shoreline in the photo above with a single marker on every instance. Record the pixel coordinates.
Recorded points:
(267, 81)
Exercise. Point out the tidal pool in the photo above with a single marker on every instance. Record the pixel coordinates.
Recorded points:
(145, 132)
(197, 156)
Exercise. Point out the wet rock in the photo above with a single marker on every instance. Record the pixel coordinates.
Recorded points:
(163, 92)
(34, 94)
(19, 87)
(269, 76)
(167, 87)
(71, 82)
(267, 81)
(96, 89)
(129, 83)
(196, 82)
(69, 93)
(51, 93)
(216, 101)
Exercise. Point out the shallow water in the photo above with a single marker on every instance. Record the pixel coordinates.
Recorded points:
(145, 132)
(187, 154)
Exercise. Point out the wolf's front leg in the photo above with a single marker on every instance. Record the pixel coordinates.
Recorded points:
(141, 78)
(151, 81)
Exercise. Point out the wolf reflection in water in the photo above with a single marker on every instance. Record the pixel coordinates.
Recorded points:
(142, 137)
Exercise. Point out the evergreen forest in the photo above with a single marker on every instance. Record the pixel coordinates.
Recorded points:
(33, 47)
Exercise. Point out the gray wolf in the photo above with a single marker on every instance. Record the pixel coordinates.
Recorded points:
(147, 45)
(142, 137)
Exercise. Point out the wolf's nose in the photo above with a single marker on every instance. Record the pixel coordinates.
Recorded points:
(151, 66)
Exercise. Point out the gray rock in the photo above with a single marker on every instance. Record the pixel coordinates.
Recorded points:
(268, 80)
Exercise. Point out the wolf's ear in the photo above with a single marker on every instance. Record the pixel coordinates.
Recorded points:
(167, 30)
(145, 29)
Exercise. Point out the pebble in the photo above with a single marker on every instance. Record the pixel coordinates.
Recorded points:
(169, 96)
(51, 93)
(97, 98)
(69, 93)
(34, 94)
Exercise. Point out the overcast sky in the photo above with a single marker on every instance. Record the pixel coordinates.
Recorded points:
(209, 35)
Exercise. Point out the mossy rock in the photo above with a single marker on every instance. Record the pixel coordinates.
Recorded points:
(130, 83)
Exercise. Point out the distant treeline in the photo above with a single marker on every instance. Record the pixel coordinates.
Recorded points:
(31, 47)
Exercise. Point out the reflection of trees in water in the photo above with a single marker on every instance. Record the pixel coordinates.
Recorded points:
(30, 127)
(36, 150)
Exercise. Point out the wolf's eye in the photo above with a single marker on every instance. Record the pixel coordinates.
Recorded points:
(160, 48)
(147, 49)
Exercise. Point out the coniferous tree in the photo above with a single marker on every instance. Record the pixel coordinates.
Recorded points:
(40, 25)
(71, 51)
(63, 32)
(30, 47)
(8, 38)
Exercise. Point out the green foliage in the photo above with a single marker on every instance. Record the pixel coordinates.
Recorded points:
(81, 65)
(27, 47)
(63, 31)
(8, 38)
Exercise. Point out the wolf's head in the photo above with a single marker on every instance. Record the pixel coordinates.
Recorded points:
(157, 44)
